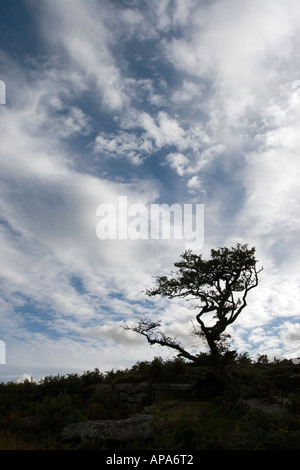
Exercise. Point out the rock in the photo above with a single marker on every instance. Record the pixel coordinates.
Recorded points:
(133, 395)
(137, 395)
(258, 404)
(123, 430)
(165, 391)
(287, 383)
(94, 391)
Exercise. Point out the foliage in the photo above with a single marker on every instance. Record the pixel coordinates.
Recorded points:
(32, 415)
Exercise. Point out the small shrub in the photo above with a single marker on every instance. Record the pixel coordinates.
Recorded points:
(181, 434)
(54, 412)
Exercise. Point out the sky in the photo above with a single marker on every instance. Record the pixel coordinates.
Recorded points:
(190, 102)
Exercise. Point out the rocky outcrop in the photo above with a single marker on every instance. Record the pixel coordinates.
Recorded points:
(132, 395)
(136, 396)
(165, 391)
(123, 430)
(287, 381)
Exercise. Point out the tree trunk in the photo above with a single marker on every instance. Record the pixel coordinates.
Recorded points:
(221, 372)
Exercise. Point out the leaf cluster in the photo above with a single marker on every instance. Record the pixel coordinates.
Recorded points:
(210, 281)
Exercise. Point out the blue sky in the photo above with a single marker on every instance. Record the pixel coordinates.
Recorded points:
(168, 101)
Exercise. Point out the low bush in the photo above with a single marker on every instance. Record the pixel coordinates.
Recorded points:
(32, 415)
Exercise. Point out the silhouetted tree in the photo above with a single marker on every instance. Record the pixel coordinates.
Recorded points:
(219, 285)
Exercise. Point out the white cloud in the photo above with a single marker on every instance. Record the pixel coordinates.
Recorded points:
(188, 92)
(159, 132)
(164, 130)
(80, 31)
(291, 334)
(73, 123)
(194, 184)
(123, 144)
(24, 378)
(178, 162)
(239, 49)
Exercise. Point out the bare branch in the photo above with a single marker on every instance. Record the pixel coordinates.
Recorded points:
(147, 328)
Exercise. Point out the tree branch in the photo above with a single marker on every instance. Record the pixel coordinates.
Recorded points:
(147, 328)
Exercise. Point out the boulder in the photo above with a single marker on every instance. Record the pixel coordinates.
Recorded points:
(138, 426)
(258, 404)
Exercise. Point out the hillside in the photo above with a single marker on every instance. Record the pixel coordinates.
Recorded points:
(158, 405)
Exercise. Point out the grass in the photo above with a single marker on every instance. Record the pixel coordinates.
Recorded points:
(12, 441)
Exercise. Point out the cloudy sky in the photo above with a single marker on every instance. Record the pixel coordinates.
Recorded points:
(162, 102)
